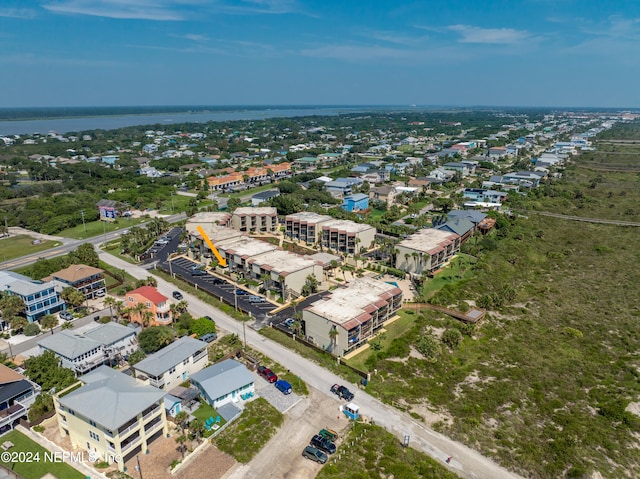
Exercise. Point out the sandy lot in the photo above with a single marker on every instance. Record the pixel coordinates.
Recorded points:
(282, 455)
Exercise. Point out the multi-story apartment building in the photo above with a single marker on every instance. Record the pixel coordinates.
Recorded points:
(351, 315)
(260, 218)
(173, 364)
(40, 297)
(287, 272)
(111, 415)
(305, 226)
(347, 236)
(426, 251)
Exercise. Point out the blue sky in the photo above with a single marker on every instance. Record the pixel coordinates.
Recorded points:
(267, 52)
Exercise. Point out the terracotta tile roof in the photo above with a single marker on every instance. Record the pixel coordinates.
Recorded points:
(150, 293)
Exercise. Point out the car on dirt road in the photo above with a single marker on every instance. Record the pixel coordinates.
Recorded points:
(322, 443)
(267, 373)
(314, 454)
(342, 392)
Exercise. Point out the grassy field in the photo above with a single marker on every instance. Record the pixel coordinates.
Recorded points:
(36, 469)
(244, 438)
(21, 245)
(96, 228)
(542, 384)
(377, 453)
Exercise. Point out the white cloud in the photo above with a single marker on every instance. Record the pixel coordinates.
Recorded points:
(25, 13)
(195, 37)
(504, 36)
(158, 10)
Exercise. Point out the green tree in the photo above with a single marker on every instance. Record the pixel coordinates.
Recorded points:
(427, 346)
(154, 338)
(85, 254)
(135, 357)
(49, 322)
(45, 370)
(452, 337)
(31, 329)
(10, 306)
(41, 406)
(72, 296)
(202, 326)
(67, 325)
(233, 203)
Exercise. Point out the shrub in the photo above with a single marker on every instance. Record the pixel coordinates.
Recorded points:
(427, 346)
(31, 329)
(452, 337)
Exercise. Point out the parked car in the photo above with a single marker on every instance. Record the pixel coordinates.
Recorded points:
(208, 338)
(100, 293)
(314, 454)
(241, 292)
(289, 322)
(268, 374)
(198, 272)
(96, 318)
(65, 315)
(209, 318)
(329, 434)
(177, 295)
(256, 299)
(283, 386)
(219, 281)
(342, 392)
(324, 444)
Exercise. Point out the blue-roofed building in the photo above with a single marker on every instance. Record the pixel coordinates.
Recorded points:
(40, 298)
(356, 202)
(225, 382)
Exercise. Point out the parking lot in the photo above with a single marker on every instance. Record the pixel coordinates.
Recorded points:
(164, 246)
(278, 400)
(220, 288)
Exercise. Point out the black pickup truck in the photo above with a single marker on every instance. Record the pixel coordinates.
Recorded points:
(342, 392)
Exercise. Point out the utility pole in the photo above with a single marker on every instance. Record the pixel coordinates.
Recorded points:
(139, 468)
(171, 201)
(244, 333)
(83, 223)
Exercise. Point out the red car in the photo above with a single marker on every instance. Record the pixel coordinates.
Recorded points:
(268, 374)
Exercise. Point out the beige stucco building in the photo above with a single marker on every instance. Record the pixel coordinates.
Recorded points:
(426, 251)
(351, 315)
(259, 218)
(111, 415)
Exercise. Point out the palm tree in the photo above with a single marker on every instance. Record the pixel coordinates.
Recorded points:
(110, 301)
(265, 281)
(49, 322)
(67, 325)
(333, 336)
(146, 317)
(18, 323)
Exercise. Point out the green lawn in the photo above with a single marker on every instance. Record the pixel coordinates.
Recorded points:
(21, 245)
(36, 469)
(383, 341)
(251, 431)
(459, 269)
(205, 411)
(96, 228)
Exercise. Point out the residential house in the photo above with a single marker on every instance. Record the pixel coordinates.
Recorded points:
(343, 186)
(86, 279)
(385, 193)
(155, 309)
(426, 251)
(461, 168)
(259, 198)
(226, 382)
(40, 297)
(17, 393)
(261, 219)
(355, 202)
(497, 152)
(111, 415)
(463, 227)
(173, 364)
(82, 352)
(343, 320)
(484, 195)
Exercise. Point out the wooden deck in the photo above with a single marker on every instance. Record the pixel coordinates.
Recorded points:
(472, 316)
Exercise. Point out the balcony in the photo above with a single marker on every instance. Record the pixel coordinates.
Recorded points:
(163, 308)
(153, 426)
(15, 412)
(128, 446)
(199, 356)
(158, 383)
(153, 412)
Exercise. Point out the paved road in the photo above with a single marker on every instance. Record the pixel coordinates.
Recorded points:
(71, 244)
(466, 462)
